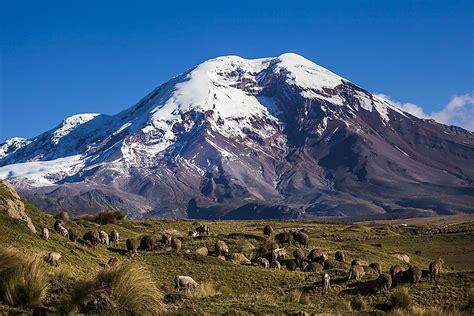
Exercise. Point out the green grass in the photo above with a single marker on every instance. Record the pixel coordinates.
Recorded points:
(230, 287)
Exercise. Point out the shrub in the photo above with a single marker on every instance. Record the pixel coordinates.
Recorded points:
(23, 281)
(104, 217)
(358, 303)
(63, 215)
(205, 290)
(400, 298)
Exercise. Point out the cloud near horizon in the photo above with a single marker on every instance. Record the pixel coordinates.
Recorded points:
(459, 111)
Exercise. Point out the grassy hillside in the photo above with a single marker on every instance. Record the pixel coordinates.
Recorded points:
(228, 287)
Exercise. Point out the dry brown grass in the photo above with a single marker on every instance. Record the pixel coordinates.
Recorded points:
(205, 290)
(425, 311)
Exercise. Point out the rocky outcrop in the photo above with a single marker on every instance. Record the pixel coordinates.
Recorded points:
(11, 204)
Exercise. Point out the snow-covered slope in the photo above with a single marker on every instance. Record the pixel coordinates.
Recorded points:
(228, 132)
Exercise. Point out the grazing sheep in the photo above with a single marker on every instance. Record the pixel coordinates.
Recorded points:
(193, 234)
(268, 230)
(92, 237)
(63, 231)
(58, 223)
(356, 262)
(275, 265)
(314, 267)
(147, 242)
(413, 275)
(221, 257)
(166, 240)
(384, 282)
(435, 269)
(301, 238)
(317, 255)
(262, 262)
(299, 256)
(221, 248)
(402, 257)
(376, 266)
(240, 258)
(104, 237)
(291, 265)
(132, 246)
(325, 280)
(333, 264)
(339, 256)
(72, 235)
(184, 282)
(45, 233)
(203, 230)
(53, 258)
(278, 253)
(304, 265)
(113, 262)
(114, 238)
(396, 272)
(356, 272)
(369, 270)
(203, 251)
(284, 237)
(176, 244)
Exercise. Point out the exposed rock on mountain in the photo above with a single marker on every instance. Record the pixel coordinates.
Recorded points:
(10, 203)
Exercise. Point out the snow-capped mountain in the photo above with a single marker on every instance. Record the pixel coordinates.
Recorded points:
(239, 138)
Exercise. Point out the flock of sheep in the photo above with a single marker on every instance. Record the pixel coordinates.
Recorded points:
(317, 261)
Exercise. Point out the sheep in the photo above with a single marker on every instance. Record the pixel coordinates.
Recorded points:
(184, 282)
(193, 234)
(53, 258)
(203, 230)
(291, 265)
(278, 253)
(113, 262)
(284, 237)
(325, 280)
(402, 257)
(240, 258)
(396, 272)
(263, 262)
(384, 282)
(166, 240)
(317, 255)
(268, 230)
(369, 270)
(203, 251)
(339, 256)
(275, 265)
(299, 255)
(45, 233)
(57, 224)
(104, 237)
(356, 262)
(301, 238)
(147, 242)
(72, 235)
(176, 244)
(221, 248)
(63, 231)
(314, 267)
(376, 266)
(304, 265)
(114, 238)
(92, 237)
(413, 275)
(435, 269)
(333, 264)
(357, 272)
(132, 246)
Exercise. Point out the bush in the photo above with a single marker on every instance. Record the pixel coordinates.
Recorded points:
(23, 281)
(358, 303)
(130, 288)
(400, 298)
(105, 217)
(63, 215)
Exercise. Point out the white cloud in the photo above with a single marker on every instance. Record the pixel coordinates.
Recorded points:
(459, 110)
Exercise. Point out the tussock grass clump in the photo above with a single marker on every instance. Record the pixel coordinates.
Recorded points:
(23, 282)
(105, 217)
(425, 311)
(205, 290)
(129, 287)
(63, 215)
(400, 298)
(298, 296)
(357, 303)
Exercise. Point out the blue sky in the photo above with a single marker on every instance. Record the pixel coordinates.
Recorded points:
(60, 58)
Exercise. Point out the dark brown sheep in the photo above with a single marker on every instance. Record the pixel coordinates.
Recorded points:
(356, 272)
(92, 237)
(176, 244)
(284, 238)
(333, 264)
(147, 243)
(376, 266)
(303, 265)
(113, 262)
(58, 223)
(132, 246)
(339, 256)
(72, 234)
(384, 282)
(299, 256)
(291, 265)
(166, 240)
(268, 230)
(413, 275)
(301, 238)
(314, 267)
(435, 269)
(317, 255)
(369, 270)
(396, 272)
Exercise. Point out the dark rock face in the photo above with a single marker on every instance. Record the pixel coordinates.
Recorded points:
(331, 151)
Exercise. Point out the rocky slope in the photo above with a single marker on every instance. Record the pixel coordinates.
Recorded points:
(12, 205)
(237, 138)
